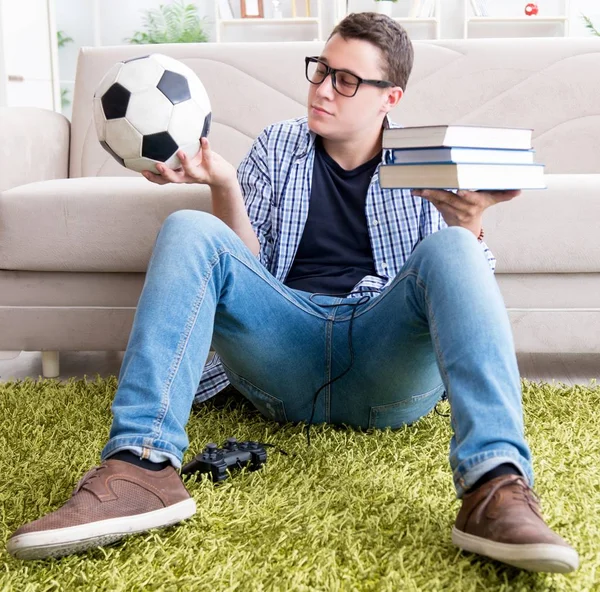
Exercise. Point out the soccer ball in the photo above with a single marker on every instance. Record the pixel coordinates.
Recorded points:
(148, 108)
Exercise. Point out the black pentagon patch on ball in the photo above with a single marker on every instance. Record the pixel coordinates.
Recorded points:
(206, 126)
(159, 146)
(134, 59)
(175, 87)
(115, 101)
(113, 153)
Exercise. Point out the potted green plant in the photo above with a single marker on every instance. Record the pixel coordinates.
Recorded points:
(62, 40)
(384, 6)
(589, 25)
(171, 23)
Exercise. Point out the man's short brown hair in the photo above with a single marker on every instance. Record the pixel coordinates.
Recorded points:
(386, 34)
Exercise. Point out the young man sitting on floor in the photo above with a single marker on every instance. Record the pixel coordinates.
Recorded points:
(303, 247)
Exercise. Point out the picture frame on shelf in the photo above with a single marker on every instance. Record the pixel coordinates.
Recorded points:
(225, 10)
(252, 9)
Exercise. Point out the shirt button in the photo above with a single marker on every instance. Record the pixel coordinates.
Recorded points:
(384, 265)
(375, 222)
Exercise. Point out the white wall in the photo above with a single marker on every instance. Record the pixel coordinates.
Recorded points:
(3, 72)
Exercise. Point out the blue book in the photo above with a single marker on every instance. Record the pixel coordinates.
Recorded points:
(457, 155)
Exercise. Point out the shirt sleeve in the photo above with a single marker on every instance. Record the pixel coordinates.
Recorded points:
(431, 221)
(255, 183)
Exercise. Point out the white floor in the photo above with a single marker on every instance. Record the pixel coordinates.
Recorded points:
(568, 369)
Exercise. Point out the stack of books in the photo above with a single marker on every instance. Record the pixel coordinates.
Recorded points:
(459, 157)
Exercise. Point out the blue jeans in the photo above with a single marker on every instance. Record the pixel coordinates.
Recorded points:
(440, 325)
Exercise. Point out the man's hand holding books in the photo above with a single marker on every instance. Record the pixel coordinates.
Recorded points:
(465, 208)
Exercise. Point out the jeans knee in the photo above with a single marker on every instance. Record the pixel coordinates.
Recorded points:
(193, 222)
(448, 241)
(451, 248)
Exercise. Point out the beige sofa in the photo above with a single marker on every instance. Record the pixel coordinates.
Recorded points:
(77, 230)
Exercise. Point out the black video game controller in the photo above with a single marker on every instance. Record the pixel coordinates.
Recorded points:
(215, 461)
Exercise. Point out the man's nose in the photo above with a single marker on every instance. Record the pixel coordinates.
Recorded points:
(326, 89)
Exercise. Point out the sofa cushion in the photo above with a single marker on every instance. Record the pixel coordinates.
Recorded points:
(110, 223)
(89, 224)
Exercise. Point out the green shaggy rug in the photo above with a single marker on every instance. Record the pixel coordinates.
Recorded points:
(355, 511)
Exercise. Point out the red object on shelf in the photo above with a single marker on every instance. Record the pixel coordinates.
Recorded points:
(531, 9)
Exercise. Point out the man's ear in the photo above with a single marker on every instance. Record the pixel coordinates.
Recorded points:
(394, 95)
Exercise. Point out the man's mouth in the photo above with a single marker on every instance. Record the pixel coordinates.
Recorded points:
(320, 109)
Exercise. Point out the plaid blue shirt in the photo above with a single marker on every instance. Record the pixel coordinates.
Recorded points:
(276, 178)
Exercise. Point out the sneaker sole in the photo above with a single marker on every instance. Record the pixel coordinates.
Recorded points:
(65, 541)
(532, 557)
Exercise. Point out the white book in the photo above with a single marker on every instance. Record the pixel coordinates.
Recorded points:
(466, 136)
(474, 176)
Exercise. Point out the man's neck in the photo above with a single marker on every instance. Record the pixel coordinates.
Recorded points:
(351, 154)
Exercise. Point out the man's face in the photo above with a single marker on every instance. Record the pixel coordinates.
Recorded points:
(340, 118)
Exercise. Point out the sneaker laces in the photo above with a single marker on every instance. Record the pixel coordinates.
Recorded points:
(524, 493)
(88, 477)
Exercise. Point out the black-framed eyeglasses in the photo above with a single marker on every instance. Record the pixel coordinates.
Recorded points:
(344, 82)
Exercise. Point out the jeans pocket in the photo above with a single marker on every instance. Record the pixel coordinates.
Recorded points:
(406, 411)
(268, 405)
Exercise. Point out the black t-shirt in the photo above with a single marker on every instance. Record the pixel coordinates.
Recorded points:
(335, 252)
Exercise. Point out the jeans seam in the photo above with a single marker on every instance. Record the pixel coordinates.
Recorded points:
(275, 286)
(183, 341)
(328, 364)
(436, 343)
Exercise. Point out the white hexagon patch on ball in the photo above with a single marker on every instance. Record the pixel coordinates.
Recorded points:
(148, 108)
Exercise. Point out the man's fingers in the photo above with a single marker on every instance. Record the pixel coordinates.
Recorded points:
(154, 178)
(167, 173)
(205, 146)
(191, 167)
(437, 196)
(505, 195)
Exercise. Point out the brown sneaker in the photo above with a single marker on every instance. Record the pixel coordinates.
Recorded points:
(109, 502)
(502, 520)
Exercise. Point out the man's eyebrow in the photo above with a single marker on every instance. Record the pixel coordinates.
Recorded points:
(323, 59)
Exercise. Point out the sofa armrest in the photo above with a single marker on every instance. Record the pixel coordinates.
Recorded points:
(34, 147)
(549, 231)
